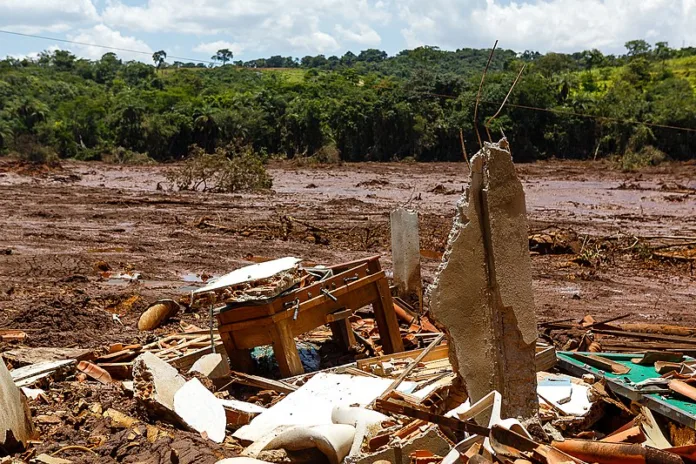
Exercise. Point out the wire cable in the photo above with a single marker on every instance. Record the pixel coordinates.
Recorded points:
(99, 46)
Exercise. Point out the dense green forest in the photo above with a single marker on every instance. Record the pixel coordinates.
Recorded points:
(368, 106)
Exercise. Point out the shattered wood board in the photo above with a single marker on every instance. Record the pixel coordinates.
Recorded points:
(313, 403)
(682, 411)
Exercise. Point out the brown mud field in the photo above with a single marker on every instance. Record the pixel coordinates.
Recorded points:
(85, 247)
(73, 236)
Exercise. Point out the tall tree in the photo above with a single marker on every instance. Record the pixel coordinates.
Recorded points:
(636, 48)
(223, 56)
(159, 57)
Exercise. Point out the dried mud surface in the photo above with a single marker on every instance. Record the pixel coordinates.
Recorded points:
(68, 232)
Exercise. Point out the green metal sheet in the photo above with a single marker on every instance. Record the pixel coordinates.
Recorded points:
(681, 410)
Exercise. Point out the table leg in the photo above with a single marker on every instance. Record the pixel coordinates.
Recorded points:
(343, 334)
(240, 360)
(285, 349)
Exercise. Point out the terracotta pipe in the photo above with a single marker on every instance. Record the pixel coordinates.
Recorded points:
(682, 388)
(615, 453)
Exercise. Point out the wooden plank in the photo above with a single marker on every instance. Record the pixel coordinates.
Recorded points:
(545, 358)
(602, 363)
(28, 375)
(412, 366)
(261, 382)
(441, 352)
(357, 297)
(339, 315)
(187, 360)
(342, 267)
(385, 317)
(647, 336)
(449, 422)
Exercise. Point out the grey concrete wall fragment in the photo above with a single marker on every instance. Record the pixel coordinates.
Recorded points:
(405, 242)
(482, 295)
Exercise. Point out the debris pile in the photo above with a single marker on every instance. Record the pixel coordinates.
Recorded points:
(465, 376)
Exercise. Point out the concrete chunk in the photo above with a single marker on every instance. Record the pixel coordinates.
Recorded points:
(200, 410)
(482, 294)
(405, 244)
(155, 383)
(213, 366)
(15, 417)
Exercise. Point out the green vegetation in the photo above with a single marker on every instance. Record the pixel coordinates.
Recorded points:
(353, 108)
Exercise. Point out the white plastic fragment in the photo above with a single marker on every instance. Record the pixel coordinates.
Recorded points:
(314, 402)
(250, 274)
(333, 440)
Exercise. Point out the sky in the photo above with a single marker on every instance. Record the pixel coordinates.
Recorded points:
(196, 29)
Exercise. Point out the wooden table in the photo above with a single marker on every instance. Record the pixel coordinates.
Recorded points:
(332, 301)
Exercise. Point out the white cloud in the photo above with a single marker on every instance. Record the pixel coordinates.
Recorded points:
(35, 16)
(33, 55)
(362, 34)
(211, 48)
(271, 26)
(547, 25)
(317, 41)
(104, 35)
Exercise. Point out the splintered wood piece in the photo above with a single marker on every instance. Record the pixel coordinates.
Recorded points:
(651, 357)
(602, 363)
(449, 422)
(262, 382)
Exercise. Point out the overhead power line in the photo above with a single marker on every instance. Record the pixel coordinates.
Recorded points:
(99, 46)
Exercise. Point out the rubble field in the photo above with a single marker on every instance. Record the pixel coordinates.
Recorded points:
(86, 248)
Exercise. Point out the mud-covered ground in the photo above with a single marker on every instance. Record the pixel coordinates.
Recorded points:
(72, 239)
(68, 234)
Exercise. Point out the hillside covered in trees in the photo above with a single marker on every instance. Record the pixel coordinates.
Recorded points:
(361, 107)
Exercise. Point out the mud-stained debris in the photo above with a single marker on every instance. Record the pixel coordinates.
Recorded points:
(483, 292)
(155, 383)
(157, 314)
(16, 427)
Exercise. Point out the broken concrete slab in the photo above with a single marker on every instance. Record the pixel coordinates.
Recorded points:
(16, 427)
(405, 245)
(200, 410)
(212, 365)
(482, 295)
(155, 383)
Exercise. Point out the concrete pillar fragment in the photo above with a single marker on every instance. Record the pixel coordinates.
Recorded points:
(405, 244)
(482, 295)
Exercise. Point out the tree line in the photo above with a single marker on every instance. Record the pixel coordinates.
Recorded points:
(368, 106)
